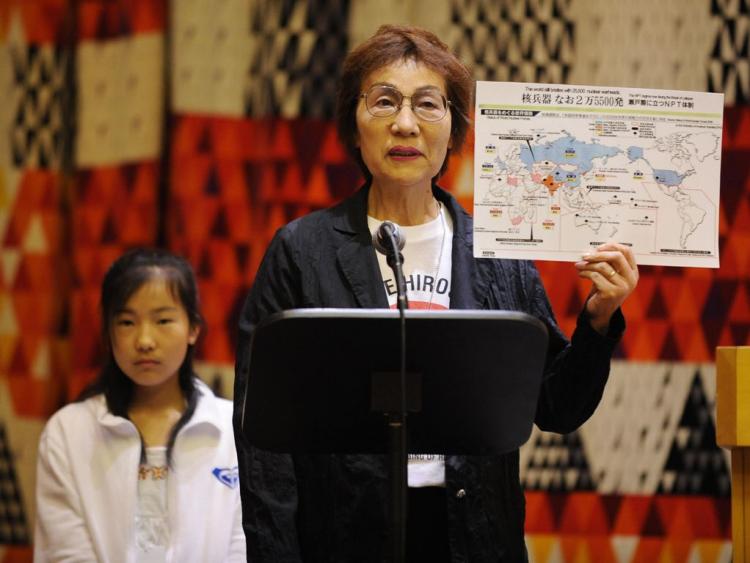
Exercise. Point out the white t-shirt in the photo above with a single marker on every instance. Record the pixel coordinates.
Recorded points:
(427, 275)
(151, 523)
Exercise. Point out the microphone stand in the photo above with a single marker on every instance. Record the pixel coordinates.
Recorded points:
(397, 420)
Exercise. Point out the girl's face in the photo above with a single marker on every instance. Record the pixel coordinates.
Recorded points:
(151, 334)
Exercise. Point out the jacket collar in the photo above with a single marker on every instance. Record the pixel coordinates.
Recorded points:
(207, 409)
(206, 412)
(356, 253)
(470, 277)
(357, 259)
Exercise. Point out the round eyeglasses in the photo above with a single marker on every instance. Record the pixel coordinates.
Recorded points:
(382, 100)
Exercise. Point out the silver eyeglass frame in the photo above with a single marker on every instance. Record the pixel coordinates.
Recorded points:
(398, 108)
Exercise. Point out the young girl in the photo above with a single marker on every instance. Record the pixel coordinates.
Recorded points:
(143, 466)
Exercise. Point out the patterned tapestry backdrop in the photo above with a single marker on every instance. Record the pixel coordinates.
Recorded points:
(204, 125)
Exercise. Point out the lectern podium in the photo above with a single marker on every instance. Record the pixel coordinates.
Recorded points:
(312, 373)
(320, 381)
(733, 431)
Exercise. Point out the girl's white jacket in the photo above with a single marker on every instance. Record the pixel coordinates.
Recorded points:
(87, 476)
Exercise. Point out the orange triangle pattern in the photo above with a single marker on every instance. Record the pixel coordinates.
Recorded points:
(114, 208)
(101, 20)
(34, 289)
(234, 183)
(43, 20)
(17, 553)
(677, 517)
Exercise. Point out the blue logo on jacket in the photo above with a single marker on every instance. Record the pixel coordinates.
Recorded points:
(229, 476)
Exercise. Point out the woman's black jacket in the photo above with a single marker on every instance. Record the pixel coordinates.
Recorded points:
(330, 508)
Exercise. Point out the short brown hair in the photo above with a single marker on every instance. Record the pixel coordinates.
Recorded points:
(393, 43)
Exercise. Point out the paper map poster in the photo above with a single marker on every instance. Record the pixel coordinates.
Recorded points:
(561, 169)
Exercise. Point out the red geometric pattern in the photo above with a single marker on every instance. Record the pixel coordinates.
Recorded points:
(33, 309)
(687, 517)
(104, 19)
(41, 19)
(586, 526)
(114, 208)
(17, 554)
(235, 182)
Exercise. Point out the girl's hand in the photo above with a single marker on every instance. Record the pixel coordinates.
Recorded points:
(614, 275)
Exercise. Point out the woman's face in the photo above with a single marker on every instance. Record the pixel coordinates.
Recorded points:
(151, 334)
(403, 149)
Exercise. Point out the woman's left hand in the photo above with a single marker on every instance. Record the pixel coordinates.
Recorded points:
(614, 275)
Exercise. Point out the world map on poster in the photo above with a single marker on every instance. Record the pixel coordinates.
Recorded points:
(551, 184)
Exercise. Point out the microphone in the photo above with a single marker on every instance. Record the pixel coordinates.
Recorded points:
(386, 238)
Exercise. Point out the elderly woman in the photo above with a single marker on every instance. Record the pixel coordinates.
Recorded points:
(403, 105)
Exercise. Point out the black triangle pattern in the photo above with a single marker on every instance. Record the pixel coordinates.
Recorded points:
(730, 50)
(307, 73)
(36, 136)
(13, 524)
(481, 39)
(695, 464)
(558, 464)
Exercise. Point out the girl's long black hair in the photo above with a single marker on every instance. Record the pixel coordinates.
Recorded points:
(124, 277)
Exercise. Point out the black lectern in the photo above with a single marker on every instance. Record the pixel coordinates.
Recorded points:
(321, 379)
